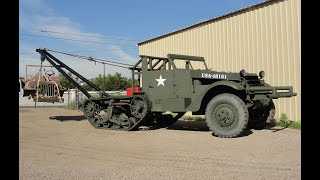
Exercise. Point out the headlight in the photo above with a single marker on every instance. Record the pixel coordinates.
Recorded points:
(242, 73)
(261, 74)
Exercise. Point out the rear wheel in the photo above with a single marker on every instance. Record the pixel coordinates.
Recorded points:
(227, 115)
(91, 111)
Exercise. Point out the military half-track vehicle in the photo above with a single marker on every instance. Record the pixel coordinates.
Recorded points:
(231, 102)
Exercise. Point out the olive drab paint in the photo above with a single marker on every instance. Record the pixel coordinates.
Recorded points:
(231, 101)
(174, 89)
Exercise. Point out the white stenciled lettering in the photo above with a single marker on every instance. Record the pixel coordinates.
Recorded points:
(205, 75)
(214, 76)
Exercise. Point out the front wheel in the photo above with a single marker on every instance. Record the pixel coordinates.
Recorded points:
(227, 115)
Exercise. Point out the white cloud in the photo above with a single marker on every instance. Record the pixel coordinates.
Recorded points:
(122, 55)
(36, 6)
(35, 14)
(85, 68)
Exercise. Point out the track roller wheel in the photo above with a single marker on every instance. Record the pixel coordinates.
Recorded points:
(128, 123)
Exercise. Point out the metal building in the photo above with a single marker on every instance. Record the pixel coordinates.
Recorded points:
(264, 36)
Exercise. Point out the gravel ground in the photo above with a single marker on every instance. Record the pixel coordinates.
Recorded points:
(68, 147)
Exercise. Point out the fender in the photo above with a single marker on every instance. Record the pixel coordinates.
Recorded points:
(196, 102)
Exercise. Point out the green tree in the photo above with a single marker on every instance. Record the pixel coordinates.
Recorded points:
(65, 82)
(87, 87)
(136, 83)
(114, 82)
(101, 82)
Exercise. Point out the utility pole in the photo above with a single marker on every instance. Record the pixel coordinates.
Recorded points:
(77, 95)
(104, 69)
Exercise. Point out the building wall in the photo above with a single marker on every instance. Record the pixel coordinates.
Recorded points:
(263, 38)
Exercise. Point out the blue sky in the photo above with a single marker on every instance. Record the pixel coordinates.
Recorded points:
(116, 25)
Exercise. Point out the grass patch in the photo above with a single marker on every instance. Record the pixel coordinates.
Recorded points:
(295, 125)
(285, 122)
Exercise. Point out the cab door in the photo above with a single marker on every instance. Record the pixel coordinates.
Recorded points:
(158, 84)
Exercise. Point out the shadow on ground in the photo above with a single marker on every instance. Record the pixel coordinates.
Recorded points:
(198, 126)
(246, 132)
(68, 118)
(189, 126)
(275, 128)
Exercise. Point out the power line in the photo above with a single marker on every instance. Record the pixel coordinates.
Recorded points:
(79, 40)
(75, 51)
(27, 53)
(75, 34)
(106, 35)
(102, 61)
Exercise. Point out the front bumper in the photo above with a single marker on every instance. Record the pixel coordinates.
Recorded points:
(273, 92)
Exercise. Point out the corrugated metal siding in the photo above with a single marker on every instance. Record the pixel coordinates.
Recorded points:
(263, 38)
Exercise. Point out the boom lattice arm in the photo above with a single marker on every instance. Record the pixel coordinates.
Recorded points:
(59, 65)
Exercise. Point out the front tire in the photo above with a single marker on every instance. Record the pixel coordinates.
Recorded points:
(227, 115)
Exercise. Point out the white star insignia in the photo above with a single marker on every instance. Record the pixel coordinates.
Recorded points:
(160, 81)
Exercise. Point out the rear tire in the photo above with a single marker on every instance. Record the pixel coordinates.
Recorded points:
(227, 115)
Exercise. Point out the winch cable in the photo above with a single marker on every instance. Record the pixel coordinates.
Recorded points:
(89, 58)
(102, 61)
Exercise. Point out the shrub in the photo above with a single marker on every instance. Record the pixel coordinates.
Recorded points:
(285, 122)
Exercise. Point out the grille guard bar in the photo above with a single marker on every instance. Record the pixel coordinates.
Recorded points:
(273, 92)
